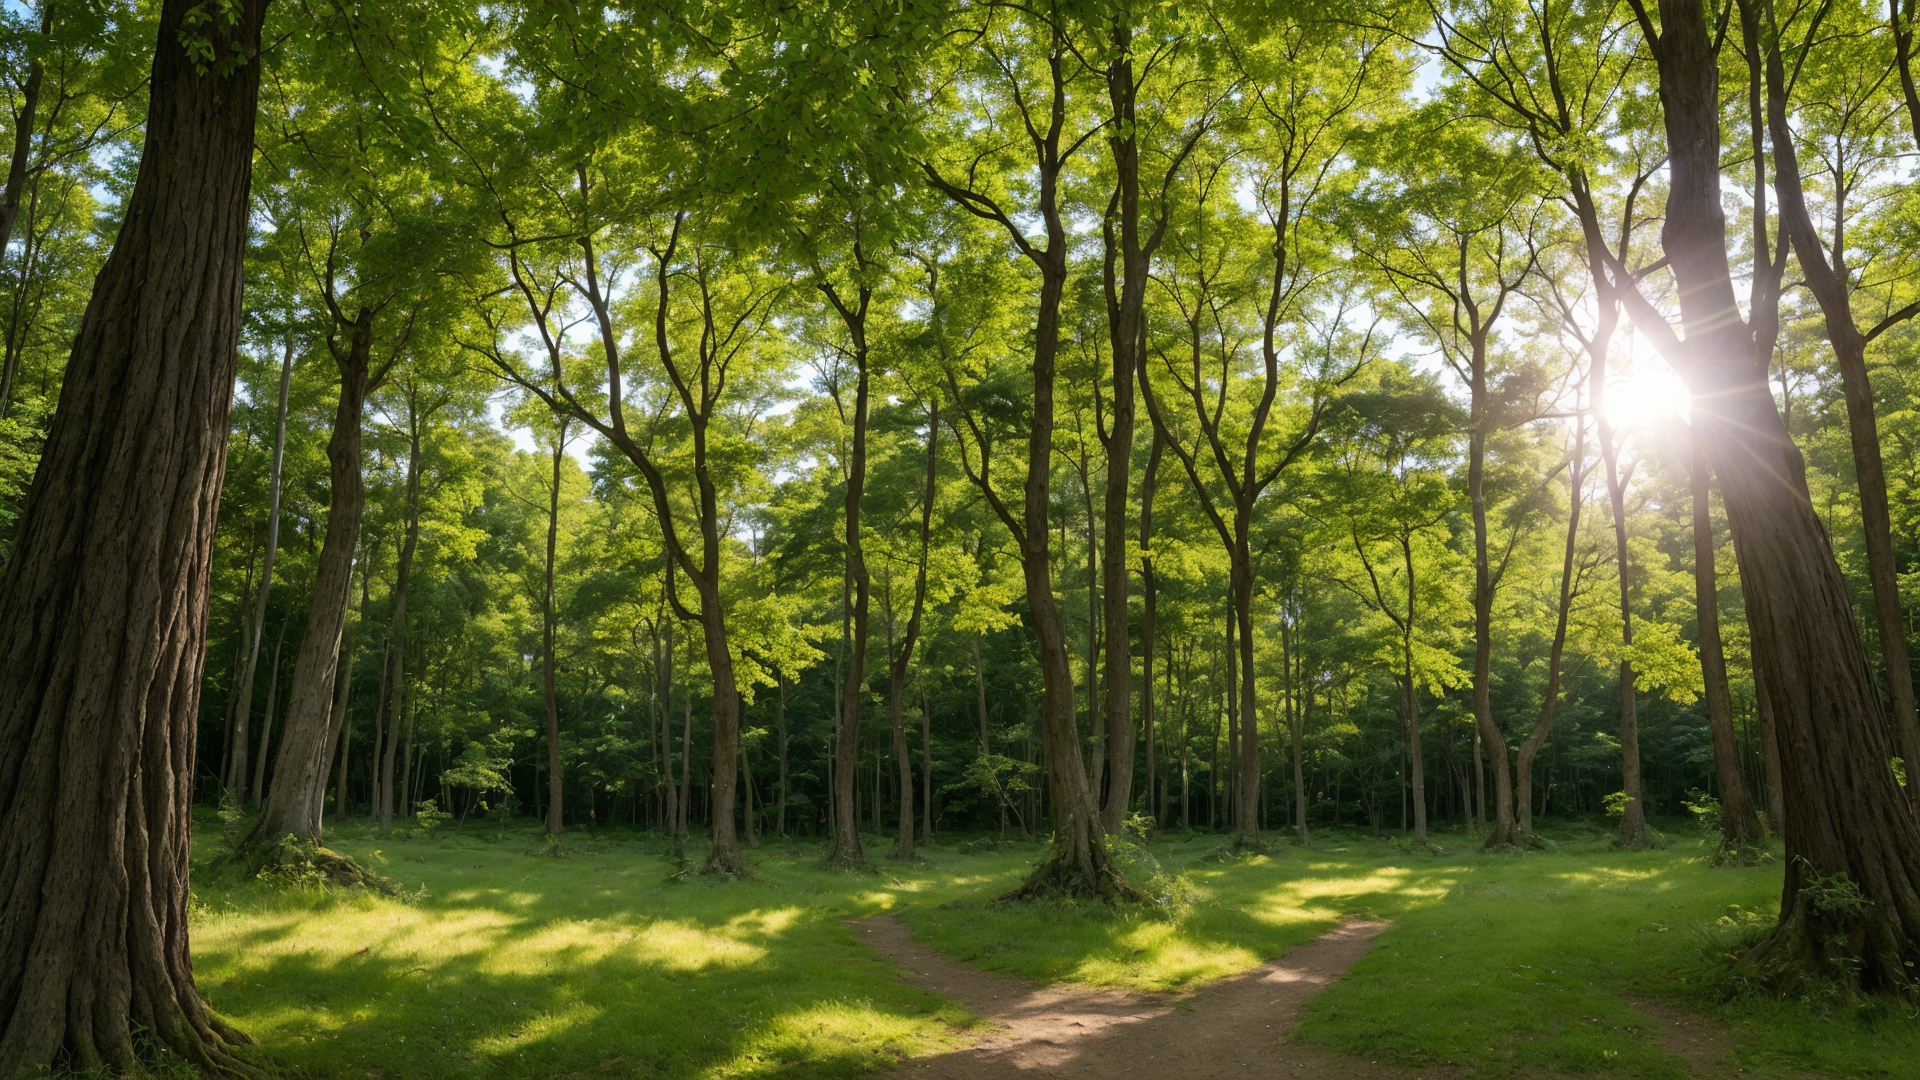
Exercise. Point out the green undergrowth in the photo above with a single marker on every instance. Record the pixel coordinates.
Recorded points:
(506, 956)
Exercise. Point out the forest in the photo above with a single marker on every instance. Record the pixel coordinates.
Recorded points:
(604, 506)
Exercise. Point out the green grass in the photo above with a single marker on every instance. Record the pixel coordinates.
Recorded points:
(512, 963)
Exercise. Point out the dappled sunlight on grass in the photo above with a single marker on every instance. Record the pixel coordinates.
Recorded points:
(855, 1037)
(514, 961)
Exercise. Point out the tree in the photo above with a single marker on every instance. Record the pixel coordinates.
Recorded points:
(1846, 818)
(1032, 50)
(104, 607)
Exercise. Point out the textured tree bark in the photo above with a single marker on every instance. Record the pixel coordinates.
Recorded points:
(1739, 820)
(1844, 812)
(293, 808)
(103, 610)
(1829, 283)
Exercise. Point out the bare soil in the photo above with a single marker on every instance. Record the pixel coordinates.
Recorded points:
(1236, 1027)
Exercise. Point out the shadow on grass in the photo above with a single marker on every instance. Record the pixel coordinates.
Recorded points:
(517, 965)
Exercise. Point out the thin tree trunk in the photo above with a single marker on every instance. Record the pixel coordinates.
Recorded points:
(1633, 822)
(103, 609)
(403, 575)
(670, 794)
(980, 693)
(293, 808)
(266, 721)
(781, 723)
(684, 825)
(1078, 862)
(1149, 613)
(1410, 698)
(1486, 730)
(555, 823)
(342, 723)
(24, 119)
(241, 792)
(1299, 726)
(902, 657)
(1550, 699)
(746, 796)
(926, 765)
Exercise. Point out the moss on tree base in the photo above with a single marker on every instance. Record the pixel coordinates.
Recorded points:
(303, 863)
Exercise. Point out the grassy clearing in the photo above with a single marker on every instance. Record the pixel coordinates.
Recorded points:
(515, 963)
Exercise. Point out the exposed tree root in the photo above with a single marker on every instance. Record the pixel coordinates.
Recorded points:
(1252, 845)
(1750, 853)
(726, 862)
(302, 862)
(1060, 876)
(1833, 942)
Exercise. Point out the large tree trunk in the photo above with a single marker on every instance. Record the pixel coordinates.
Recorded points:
(293, 807)
(1550, 698)
(103, 611)
(1845, 813)
(555, 824)
(1829, 283)
(1739, 820)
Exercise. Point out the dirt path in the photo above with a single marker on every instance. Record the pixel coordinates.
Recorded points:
(1236, 1027)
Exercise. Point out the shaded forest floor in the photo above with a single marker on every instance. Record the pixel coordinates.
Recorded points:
(508, 959)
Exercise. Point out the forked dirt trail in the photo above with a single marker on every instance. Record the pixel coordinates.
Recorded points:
(1233, 1028)
(1236, 1027)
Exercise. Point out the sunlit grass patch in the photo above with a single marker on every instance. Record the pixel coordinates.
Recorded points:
(514, 964)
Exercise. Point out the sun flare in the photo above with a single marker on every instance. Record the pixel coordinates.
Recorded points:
(1644, 390)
